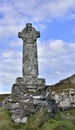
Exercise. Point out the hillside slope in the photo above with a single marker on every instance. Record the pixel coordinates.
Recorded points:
(64, 93)
(64, 84)
(3, 96)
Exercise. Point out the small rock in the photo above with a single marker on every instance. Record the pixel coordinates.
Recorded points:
(17, 120)
(15, 105)
(23, 120)
(68, 114)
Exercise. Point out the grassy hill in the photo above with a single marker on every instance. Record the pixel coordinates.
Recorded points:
(64, 84)
(40, 121)
(3, 96)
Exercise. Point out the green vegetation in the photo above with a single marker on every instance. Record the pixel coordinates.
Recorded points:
(3, 96)
(59, 87)
(70, 115)
(6, 123)
(70, 112)
(39, 121)
(64, 84)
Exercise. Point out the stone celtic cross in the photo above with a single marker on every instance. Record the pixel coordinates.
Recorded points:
(29, 93)
(29, 36)
(29, 83)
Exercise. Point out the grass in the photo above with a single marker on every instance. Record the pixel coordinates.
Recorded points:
(36, 121)
(39, 121)
(70, 115)
(6, 123)
(71, 112)
(58, 123)
(59, 87)
(63, 84)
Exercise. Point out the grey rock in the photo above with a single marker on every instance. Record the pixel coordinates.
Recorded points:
(23, 120)
(19, 80)
(15, 105)
(17, 120)
(65, 99)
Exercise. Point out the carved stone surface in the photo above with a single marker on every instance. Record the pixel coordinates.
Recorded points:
(30, 81)
(29, 36)
(33, 86)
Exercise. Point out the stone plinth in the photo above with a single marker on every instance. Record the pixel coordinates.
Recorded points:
(34, 86)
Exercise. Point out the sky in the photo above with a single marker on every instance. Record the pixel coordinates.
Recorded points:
(55, 19)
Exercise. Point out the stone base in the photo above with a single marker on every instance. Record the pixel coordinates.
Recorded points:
(30, 80)
(23, 105)
(33, 86)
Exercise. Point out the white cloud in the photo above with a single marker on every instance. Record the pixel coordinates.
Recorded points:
(61, 7)
(10, 69)
(15, 43)
(47, 9)
(14, 14)
(57, 45)
(56, 60)
(7, 54)
(16, 11)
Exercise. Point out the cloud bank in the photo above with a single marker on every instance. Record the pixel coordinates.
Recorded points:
(56, 61)
(56, 57)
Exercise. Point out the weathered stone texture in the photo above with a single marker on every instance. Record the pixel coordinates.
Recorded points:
(65, 99)
(28, 104)
(30, 60)
(30, 81)
(29, 36)
(28, 92)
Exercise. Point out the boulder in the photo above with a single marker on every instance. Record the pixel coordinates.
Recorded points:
(65, 99)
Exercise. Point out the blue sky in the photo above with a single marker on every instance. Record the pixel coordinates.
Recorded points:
(55, 19)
